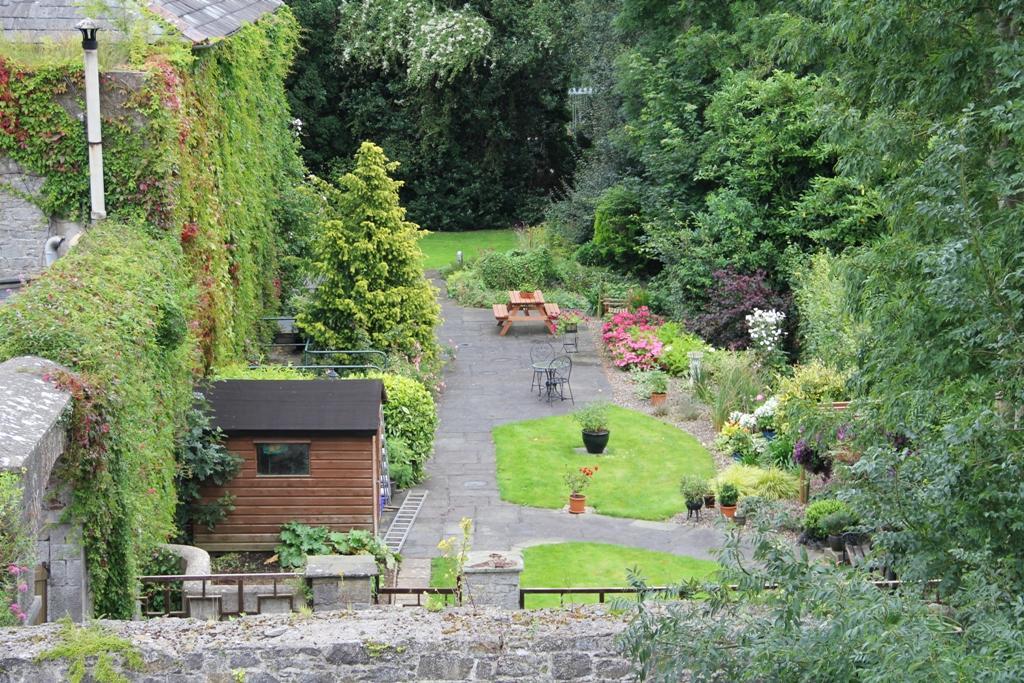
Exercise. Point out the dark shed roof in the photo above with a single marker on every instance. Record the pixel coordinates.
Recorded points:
(316, 405)
(201, 21)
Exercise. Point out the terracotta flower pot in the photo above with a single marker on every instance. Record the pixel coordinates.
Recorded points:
(577, 503)
(728, 510)
(658, 399)
(595, 442)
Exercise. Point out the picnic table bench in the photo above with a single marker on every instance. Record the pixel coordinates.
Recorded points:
(523, 307)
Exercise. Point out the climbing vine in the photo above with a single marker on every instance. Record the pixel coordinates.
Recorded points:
(199, 156)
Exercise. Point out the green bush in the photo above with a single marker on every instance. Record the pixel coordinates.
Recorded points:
(15, 550)
(410, 416)
(400, 462)
(202, 459)
(617, 228)
(828, 331)
(300, 540)
(801, 394)
(531, 269)
(678, 343)
(815, 515)
(693, 487)
(101, 312)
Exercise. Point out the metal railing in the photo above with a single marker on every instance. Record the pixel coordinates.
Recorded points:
(383, 595)
(176, 590)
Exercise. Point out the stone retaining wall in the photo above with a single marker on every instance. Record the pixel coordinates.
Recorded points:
(394, 644)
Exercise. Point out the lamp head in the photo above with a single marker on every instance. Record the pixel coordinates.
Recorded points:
(88, 27)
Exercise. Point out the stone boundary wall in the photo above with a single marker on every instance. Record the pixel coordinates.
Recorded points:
(393, 644)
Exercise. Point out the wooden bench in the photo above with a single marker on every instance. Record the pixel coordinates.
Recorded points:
(614, 305)
(500, 312)
(552, 310)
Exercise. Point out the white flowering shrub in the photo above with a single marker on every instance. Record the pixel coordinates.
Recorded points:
(766, 335)
(432, 44)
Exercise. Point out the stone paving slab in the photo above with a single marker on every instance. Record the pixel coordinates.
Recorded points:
(487, 385)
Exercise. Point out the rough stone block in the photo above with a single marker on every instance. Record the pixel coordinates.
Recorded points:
(274, 604)
(492, 579)
(569, 666)
(205, 609)
(341, 581)
(445, 667)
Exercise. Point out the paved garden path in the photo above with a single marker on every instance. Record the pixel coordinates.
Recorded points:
(487, 385)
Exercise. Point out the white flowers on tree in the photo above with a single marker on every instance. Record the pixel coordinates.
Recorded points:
(766, 334)
(433, 44)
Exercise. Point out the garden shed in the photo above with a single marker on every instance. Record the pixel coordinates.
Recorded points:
(312, 452)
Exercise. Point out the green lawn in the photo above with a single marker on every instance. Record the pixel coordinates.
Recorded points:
(439, 247)
(639, 472)
(563, 565)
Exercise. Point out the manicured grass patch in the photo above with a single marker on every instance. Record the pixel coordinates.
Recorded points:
(581, 565)
(639, 473)
(439, 247)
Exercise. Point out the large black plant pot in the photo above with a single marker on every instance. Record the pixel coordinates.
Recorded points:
(595, 442)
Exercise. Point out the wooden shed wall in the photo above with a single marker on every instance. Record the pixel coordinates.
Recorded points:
(340, 492)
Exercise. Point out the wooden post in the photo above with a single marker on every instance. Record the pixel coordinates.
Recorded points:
(805, 487)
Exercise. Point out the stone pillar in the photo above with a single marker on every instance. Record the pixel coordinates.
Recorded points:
(341, 581)
(492, 579)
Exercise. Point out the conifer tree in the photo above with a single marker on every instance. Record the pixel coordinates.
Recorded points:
(369, 287)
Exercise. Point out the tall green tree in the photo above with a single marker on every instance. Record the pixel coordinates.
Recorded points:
(369, 287)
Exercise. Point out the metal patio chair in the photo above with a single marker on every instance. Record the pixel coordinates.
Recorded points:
(541, 354)
(559, 374)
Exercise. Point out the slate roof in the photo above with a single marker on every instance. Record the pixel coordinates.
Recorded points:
(296, 406)
(201, 21)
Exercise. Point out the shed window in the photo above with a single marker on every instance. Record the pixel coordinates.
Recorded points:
(282, 459)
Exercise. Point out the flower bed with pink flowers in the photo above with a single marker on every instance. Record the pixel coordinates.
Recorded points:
(632, 339)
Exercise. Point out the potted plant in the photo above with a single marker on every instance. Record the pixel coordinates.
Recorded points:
(709, 497)
(735, 441)
(593, 419)
(578, 481)
(764, 415)
(728, 494)
(568, 321)
(693, 488)
(834, 526)
(746, 508)
(657, 384)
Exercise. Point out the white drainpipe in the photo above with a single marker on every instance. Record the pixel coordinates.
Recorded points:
(88, 27)
(50, 252)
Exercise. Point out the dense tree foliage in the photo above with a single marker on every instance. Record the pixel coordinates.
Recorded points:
(468, 97)
(890, 131)
(723, 136)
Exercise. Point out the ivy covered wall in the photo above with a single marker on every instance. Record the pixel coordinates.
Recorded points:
(199, 159)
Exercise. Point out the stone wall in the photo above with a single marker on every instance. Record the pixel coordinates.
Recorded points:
(32, 439)
(395, 644)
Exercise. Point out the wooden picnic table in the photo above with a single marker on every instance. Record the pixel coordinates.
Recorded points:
(523, 307)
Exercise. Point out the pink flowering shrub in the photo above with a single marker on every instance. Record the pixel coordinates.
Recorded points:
(632, 340)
